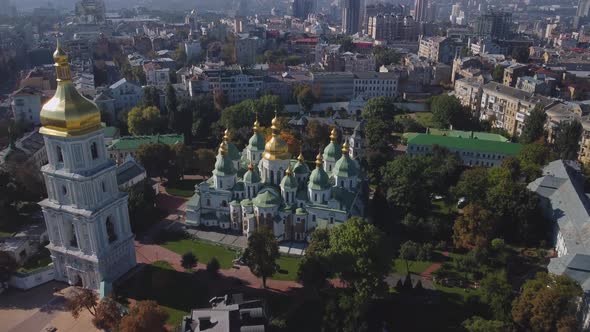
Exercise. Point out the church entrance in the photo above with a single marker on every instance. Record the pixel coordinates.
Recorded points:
(78, 281)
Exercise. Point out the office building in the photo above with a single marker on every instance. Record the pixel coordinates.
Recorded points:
(353, 12)
(302, 8)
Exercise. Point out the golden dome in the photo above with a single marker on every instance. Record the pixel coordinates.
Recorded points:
(226, 136)
(300, 157)
(333, 135)
(276, 148)
(319, 160)
(68, 113)
(289, 171)
(222, 149)
(345, 148)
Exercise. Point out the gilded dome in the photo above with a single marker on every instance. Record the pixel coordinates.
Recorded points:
(68, 113)
(276, 148)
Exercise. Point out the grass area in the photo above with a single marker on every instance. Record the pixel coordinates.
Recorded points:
(203, 250)
(6, 234)
(163, 265)
(38, 261)
(174, 315)
(423, 118)
(288, 268)
(416, 267)
(184, 188)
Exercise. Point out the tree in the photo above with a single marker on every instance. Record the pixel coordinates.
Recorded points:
(144, 316)
(407, 181)
(548, 303)
(142, 206)
(262, 253)
(313, 272)
(475, 228)
(473, 185)
(156, 158)
(188, 260)
(306, 99)
(521, 54)
(497, 294)
(204, 114)
(143, 121)
(361, 256)
(385, 56)
(447, 111)
(8, 266)
(346, 45)
(108, 315)
(347, 312)
(80, 299)
(213, 266)
(498, 73)
(182, 121)
(478, 324)
(171, 106)
(186, 159)
(409, 252)
(317, 135)
(380, 108)
(567, 141)
(151, 96)
(534, 126)
(205, 161)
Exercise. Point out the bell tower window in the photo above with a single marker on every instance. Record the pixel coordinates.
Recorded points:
(94, 150)
(60, 155)
(73, 239)
(111, 234)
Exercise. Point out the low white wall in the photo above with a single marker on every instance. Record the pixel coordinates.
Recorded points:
(29, 280)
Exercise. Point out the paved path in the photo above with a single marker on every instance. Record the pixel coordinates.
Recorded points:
(427, 274)
(148, 253)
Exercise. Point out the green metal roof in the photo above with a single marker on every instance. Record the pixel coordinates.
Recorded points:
(133, 142)
(332, 152)
(233, 152)
(300, 168)
(256, 142)
(461, 134)
(110, 131)
(470, 144)
(224, 166)
(266, 199)
(289, 182)
(246, 202)
(319, 180)
(251, 176)
(345, 167)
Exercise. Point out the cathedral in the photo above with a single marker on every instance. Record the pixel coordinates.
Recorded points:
(87, 219)
(264, 187)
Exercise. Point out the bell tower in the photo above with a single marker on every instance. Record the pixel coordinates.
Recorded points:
(87, 219)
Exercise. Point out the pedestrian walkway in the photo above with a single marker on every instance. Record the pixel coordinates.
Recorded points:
(149, 253)
(427, 274)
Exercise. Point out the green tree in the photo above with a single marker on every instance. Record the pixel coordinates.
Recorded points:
(143, 121)
(213, 266)
(346, 312)
(144, 316)
(108, 315)
(317, 135)
(156, 159)
(473, 185)
(521, 54)
(385, 56)
(171, 105)
(498, 73)
(478, 324)
(361, 257)
(151, 96)
(188, 260)
(313, 272)
(408, 251)
(262, 253)
(567, 141)
(81, 299)
(346, 45)
(474, 228)
(447, 111)
(548, 303)
(204, 114)
(408, 183)
(497, 294)
(534, 126)
(205, 161)
(8, 267)
(306, 99)
(183, 119)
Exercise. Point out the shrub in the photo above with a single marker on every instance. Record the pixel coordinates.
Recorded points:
(189, 260)
(213, 266)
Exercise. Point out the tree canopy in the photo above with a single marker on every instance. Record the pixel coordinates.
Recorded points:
(262, 253)
(534, 126)
(143, 121)
(144, 316)
(447, 111)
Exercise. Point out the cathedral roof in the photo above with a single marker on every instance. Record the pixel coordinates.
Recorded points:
(232, 149)
(251, 176)
(223, 165)
(289, 180)
(266, 198)
(68, 113)
(332, 151)
(276, 148)
(257, 141)
(300, 167)
(345, 167)
(319, 180)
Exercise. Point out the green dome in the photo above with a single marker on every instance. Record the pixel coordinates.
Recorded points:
(300, 211)
(318, 180)
(345, 167)
(332, 152)
(223, 164)
(246, 202)
(233, 152)
(256, 142)
(289, 182)
(300, 168)
(251, 176)
(266, 199)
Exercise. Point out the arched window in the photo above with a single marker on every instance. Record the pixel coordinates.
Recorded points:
(111, 233)
(64, 190)
(73, 238)
(104, 187)
(208, 202)
(94, 150)
(223, 203)
(60, 155)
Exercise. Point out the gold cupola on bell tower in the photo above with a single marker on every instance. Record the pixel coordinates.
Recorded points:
(68, 113)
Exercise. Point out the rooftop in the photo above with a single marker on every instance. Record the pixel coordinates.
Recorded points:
(471, 144)
(133, 142)
(497, 88)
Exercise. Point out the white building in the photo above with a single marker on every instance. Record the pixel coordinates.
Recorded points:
(126, 94)
(26, 105)
(156, 75)
(276, 191)
(374, 84)
(87, 218)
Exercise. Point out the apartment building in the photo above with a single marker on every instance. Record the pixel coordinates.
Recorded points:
(508, 107)
(469, 91)
(333, 86)
(439, 49)
(373, 84)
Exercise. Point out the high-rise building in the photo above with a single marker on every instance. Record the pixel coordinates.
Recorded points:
(353, 13)
(87, 217)
(421, 10)
(302, 8)
(494, 24)
(390, 27)
(91, 11)
(583, 9)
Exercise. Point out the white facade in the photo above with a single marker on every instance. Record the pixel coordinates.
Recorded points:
(86, 214)
(26, 105)
(373, 84)
(157, 76)
(126, 95)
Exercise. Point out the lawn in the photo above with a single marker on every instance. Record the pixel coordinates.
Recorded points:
(416, 267)
(174, 315)
(184, 188)
(163, 265)
(423, 118)
(203, 250)
(288, 268)
(38, 261)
